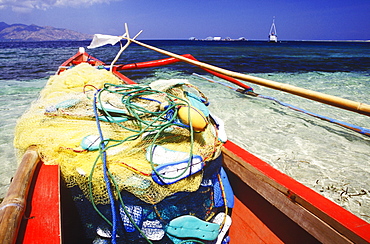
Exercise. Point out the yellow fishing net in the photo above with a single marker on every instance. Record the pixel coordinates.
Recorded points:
(133, 118)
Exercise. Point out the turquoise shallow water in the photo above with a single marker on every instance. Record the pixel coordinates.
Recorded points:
(326, 157)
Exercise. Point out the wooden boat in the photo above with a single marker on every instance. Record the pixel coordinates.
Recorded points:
(270, 207)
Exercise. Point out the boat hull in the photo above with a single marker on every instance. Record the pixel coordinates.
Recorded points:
(272, 38)
(283, 204)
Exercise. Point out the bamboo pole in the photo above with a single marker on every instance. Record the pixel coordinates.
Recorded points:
(13, 206)
(357, 107)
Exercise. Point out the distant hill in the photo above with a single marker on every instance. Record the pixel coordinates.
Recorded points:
(21, 32)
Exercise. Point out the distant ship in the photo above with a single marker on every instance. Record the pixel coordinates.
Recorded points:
(218, 38)
(273, 33)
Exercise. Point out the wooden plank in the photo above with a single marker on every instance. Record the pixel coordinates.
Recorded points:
(275, 222)
(43, 215)
(13, 206)
(248, 228)
(282, 191)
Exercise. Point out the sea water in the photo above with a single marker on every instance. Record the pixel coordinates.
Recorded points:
(330, 159)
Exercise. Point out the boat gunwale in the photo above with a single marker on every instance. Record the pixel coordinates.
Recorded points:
(339, 219)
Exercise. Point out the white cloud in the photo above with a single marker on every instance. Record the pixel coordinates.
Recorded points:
(79, 2)
(28, 5)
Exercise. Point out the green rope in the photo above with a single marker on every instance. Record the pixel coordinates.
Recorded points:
(157, 124)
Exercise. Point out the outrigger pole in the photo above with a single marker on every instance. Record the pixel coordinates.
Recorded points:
(361, 108)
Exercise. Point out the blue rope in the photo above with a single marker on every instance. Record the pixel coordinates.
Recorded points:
(105, 171)
(356, 128)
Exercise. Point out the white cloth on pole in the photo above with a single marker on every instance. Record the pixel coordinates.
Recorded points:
(101, 40)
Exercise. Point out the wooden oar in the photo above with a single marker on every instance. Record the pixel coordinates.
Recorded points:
(357, 107)
(13, 206)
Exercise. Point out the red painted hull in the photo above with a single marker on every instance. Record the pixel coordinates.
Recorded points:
(270, 206)
(281, 205)
(43, 213)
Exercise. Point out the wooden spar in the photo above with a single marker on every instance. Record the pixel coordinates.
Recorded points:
(353, 106)
(13, 206)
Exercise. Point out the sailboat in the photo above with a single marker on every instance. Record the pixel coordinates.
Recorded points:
(273, 33)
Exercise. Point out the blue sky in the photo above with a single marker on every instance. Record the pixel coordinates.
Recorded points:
(181, 19)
